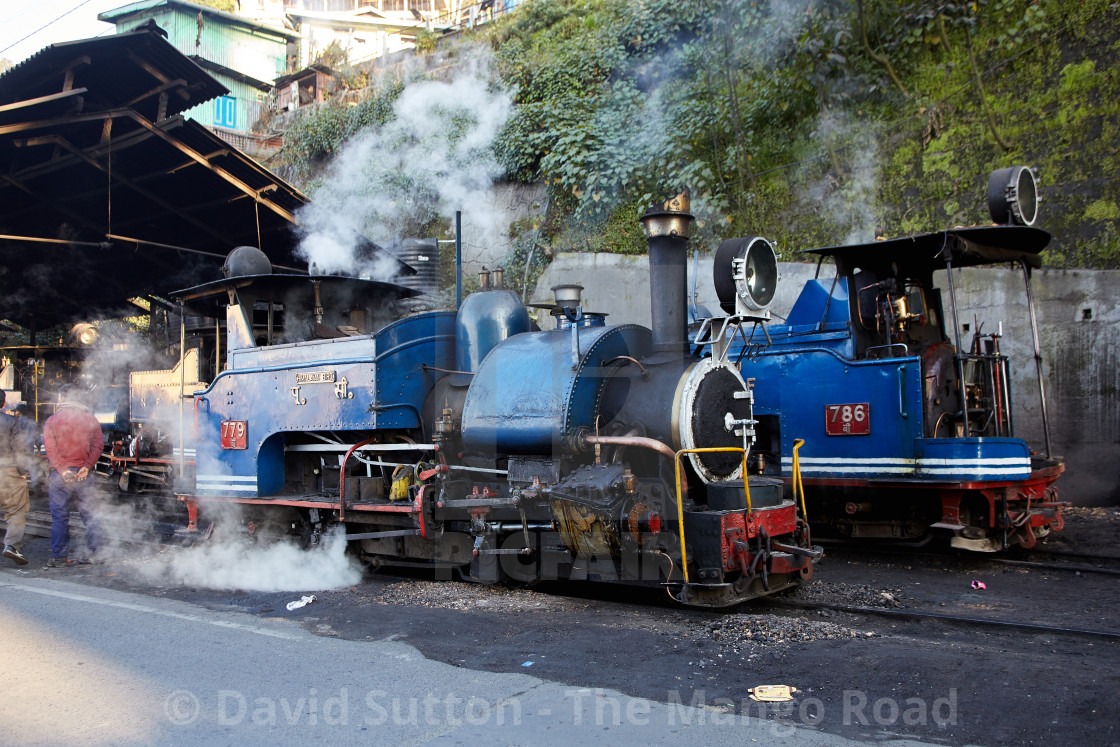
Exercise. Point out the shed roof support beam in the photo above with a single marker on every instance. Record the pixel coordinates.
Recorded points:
(131, 185)
(199, 158)
(42, 169)
(72, 93)
(43, 124)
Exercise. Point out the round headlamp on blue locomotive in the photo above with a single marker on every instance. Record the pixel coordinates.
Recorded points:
(477, 442)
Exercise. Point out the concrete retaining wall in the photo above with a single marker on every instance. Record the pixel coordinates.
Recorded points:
(1079, 328)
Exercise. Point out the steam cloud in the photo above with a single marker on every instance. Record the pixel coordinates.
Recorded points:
(434, 158)
(227, 560)
(849, 200)
(234, 563)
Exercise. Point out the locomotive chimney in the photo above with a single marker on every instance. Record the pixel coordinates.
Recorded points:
(667, 228)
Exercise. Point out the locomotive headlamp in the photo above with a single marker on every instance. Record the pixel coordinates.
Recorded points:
(83, 333)
(1013, 196)
(746, 275)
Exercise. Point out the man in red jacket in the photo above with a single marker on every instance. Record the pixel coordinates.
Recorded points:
(72, 437)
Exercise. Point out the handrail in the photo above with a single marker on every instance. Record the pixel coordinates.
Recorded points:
(798, 486)
(680, 504)
(342, 477)
(901, 371)
(905, 349)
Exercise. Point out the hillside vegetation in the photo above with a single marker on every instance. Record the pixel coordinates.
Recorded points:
(810, 122)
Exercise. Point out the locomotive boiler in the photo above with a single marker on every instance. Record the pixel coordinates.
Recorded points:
(476, 443)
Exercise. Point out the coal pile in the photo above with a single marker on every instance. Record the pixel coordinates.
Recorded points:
(458, 595)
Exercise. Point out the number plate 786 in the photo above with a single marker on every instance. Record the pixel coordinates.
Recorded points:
(847, 420)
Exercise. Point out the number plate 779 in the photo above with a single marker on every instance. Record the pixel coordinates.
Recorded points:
(234, 434)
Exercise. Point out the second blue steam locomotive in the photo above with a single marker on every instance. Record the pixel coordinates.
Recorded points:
(909, 430)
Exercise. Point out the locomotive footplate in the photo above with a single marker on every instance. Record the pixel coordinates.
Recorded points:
(741, 554)
(727, 595)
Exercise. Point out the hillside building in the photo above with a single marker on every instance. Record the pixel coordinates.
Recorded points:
(243, 54)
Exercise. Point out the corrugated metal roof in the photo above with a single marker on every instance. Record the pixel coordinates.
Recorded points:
(234, 45)
(110, 68)
(118, 15)
(129, 200)
(238, 76)
(307, 72)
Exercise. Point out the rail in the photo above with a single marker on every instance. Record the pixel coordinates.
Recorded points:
(919, 616)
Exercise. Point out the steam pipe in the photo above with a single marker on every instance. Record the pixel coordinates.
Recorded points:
(963, 392)
(1037, 357)
(640, 441)
(667, 228)
(182, 389)
(458, 258)
(342, 477)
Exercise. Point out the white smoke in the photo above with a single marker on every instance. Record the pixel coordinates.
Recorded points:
(432, 159)
(118, 351)
(237, 563)
(849, 200)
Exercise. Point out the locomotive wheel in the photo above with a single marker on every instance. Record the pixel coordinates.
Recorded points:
(307, 535)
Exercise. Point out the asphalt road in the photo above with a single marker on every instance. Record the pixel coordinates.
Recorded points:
(90, 665)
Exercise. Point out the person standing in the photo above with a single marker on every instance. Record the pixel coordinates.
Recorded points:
(33, 440)
(72, 437)
(14, 501)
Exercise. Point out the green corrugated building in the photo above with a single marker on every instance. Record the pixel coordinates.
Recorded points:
(244, 55)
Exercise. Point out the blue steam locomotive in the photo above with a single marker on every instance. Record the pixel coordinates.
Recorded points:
(909, 435)
(473, 442)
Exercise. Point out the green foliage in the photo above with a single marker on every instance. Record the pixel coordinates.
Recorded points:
(1103, 210)
(321, 132)
(333, 56)
(784, 122)
(338, 60)
(229, 6)
(426, 41)
(621, 103)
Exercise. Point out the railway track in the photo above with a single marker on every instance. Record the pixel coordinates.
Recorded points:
(898, 614)
(1061, 566)
(39, 525)
(1105, 564)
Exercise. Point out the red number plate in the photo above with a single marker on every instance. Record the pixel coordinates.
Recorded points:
(848, 420)
(233, 434)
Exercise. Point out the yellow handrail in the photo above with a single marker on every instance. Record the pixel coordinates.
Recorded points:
(680, 503)
(798, 486)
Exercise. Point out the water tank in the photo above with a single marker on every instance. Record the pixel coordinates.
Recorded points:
(423, 256)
